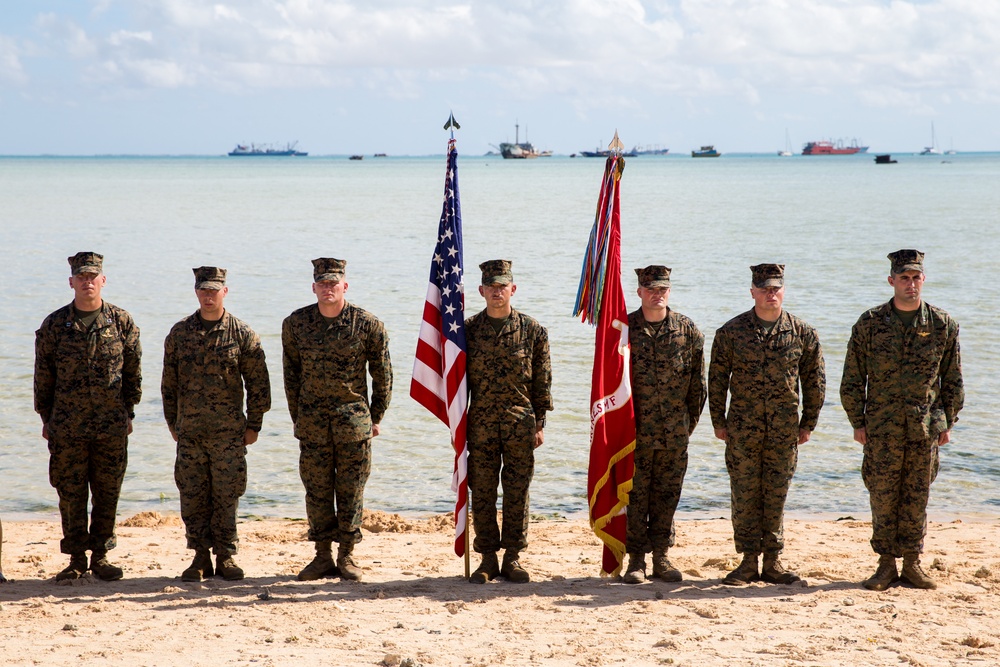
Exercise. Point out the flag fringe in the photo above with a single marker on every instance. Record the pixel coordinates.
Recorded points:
(597, 524)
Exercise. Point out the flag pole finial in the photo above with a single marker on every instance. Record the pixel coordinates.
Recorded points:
(616, 146)
(452, 123)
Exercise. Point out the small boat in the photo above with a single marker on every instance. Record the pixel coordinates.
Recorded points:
(356, 157)
(884, 159)
(706, 151)
(932, 149)
(266, 150)
(826, 147)
(648, 150)
(787, 152)
(519, 150)
(379, 155)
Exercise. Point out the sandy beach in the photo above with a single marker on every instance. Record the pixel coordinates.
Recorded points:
(415, 608)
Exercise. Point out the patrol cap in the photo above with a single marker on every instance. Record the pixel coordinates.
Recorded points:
(654, 275)
(497, 272)
(768, 275)
(209, 277)
(906, 260)
(86, 262)
(328, 269)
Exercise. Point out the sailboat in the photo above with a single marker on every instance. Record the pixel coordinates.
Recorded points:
(932, 149)
(788, 146)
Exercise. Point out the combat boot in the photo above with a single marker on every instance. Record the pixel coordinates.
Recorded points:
(226, 567)
(773, 572)
(102, 569)
(913, 574)
(635, 573)
(200, 567)
(488, 570)
(512, 569)
(345, 563)
(745, 573)
(885, 576)
(77, 568)
(321, 566)
(663, 569)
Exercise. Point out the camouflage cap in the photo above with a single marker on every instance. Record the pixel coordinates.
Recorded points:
(328, 269)
(768, 275)
(86, 262)
(654, 275)
(497, 272)
(906, 260)
(209, 277)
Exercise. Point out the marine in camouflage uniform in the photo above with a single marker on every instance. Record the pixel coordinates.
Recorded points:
(668, 392)
(902, 390)
(510, 376)
(764, 359)
(87, 382)
(329, 348)
(208, 357)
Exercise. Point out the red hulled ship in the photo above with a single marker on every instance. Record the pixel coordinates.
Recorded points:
(830, 148)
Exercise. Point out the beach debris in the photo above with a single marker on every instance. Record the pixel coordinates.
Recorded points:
(693, 572)
(938, 564)
(455, 607)
(848, 602)
(666, 643)
(983, 573)
(392, 660)
(265, 594)
(69, 627)
(705, 612)
(975, 642)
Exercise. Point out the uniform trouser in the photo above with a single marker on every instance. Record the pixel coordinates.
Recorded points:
(501, 453)
(211, 475)
(759, 475)
(81, 468)
(656, 490)
(898, 475)
(334, 475)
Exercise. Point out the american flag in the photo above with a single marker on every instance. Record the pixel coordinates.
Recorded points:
(438, 381)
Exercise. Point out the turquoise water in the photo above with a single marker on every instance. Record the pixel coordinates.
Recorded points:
(831, 220)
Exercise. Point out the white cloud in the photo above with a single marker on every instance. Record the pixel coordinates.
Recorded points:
(11, 69)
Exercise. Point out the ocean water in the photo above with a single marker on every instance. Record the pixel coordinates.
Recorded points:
(830, 220)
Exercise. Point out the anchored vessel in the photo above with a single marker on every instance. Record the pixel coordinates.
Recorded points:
(518, 150)
(830, 148)
(266, 150)
(706, 151)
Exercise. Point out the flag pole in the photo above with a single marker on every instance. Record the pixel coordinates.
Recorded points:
(452, 125)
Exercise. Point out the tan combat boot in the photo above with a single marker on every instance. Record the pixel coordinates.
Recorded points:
(345, 563)
(745, 573)
(102, 569)
(886, 574)
(200, 568)
(663, 569)
(226, 567)
(635, 573)
(914, 574)
(321, 566)
(488, 569)
(77, 568)
(512, 569)
(773, 572)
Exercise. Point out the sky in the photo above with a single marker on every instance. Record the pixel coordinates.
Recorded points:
(84, 77)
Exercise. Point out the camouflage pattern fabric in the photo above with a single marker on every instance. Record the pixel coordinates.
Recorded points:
(334, 476)
(326, 384)
(325, 372)
(211, 475)
(762, 374)
(204, 373)
(86, 384)
(510, 378)
(904, 386)
(668, 392)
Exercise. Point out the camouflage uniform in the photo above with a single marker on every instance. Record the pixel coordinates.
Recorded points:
(204, 373)
(87, 383)
(325, 373)
(510, 377)
(762, 373)
(668, 392)
(903, 385)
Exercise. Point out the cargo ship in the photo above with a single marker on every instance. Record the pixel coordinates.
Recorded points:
(254, 150)
(520, 150)
(830, 148)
